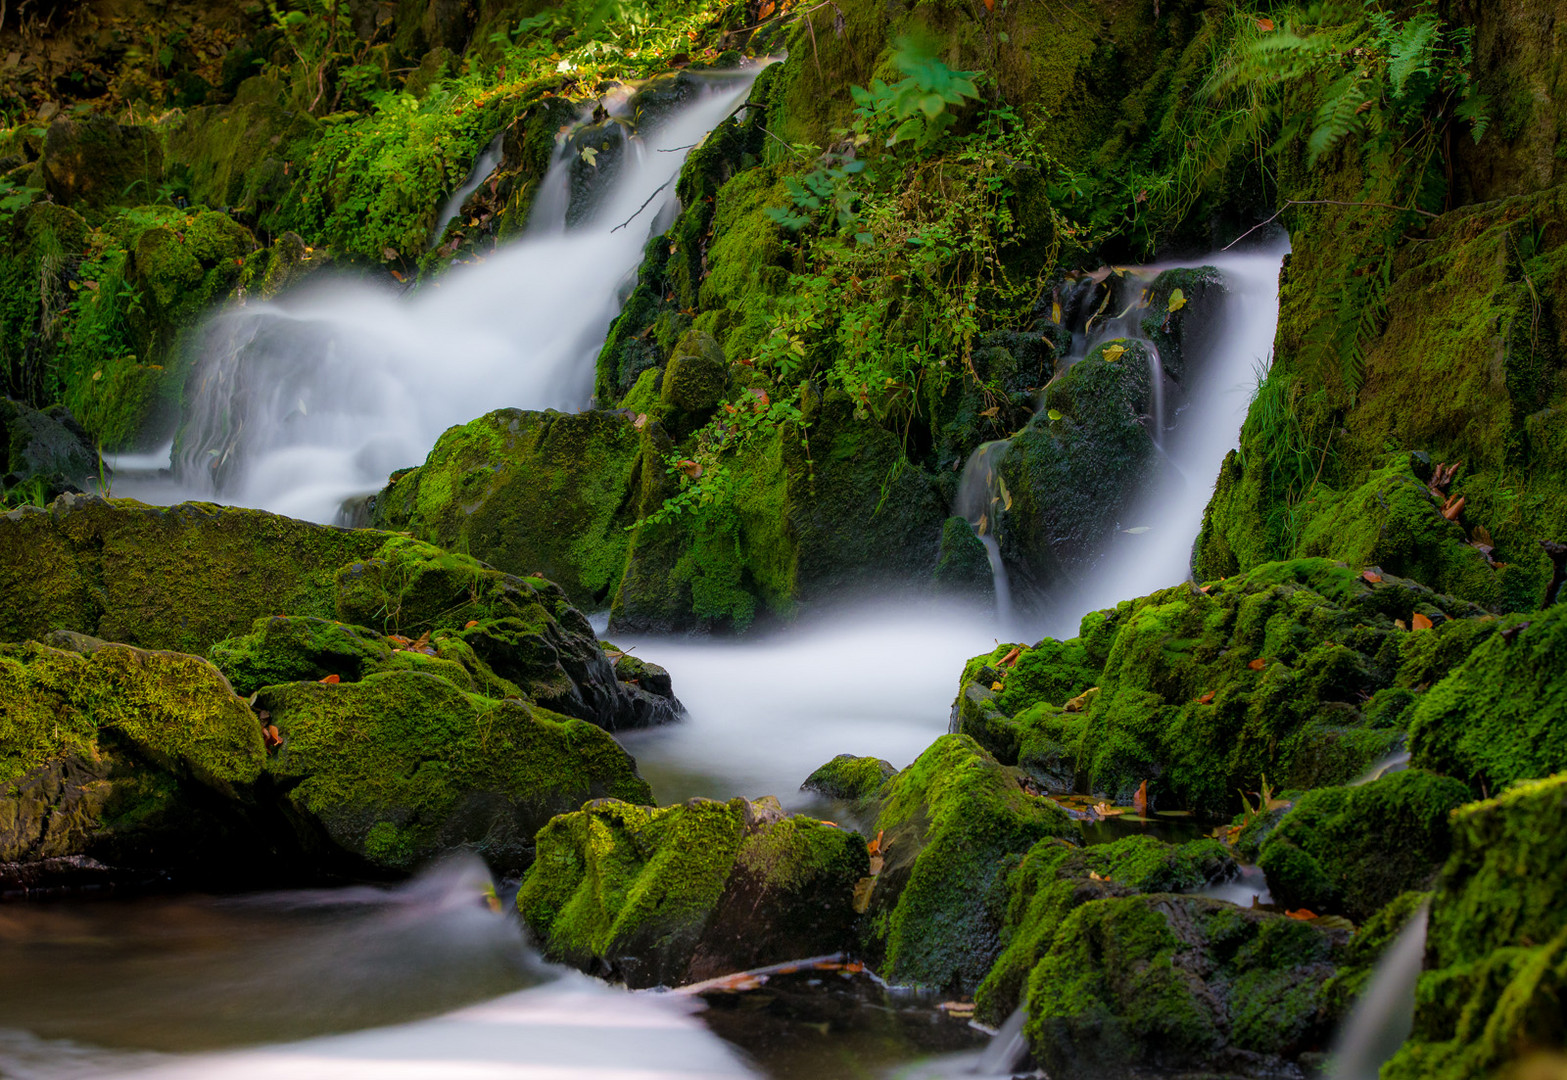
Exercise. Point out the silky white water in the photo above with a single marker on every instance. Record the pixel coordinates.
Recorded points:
(300, 403)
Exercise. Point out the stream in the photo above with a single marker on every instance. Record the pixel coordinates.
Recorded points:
(310, 400)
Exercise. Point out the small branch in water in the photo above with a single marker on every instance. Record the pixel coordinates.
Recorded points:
(643, 207)
(676, 149)
(1326, 202)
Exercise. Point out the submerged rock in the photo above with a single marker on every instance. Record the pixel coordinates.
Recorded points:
(1352, 850)
(1271, 675)
(946, 826)
(675, 895)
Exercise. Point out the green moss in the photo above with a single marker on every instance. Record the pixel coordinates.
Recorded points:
(1358, 961)
(1496, 943)
(948, 822)
(176, 710)
(666, 896)
(1163, 982)
(850, 777)
(283, 649)
(1499, 716)
(1354, 849)
(408, 751)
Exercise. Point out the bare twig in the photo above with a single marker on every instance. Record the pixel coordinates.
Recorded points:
(643, 207)
(1327, 202)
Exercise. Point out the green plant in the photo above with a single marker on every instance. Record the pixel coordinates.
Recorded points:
(1279, 438)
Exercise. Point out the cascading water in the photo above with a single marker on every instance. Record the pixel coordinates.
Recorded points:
(982, 498)
(301, 403)
(1385, 1014)
(489, 159)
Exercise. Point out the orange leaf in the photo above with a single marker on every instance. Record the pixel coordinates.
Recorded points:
(1257, 664)
(1371, 578)
(470, 624)
(874, 847)
(331, 680)
(1421, 622)
(1265, 25)
(767, 9)
(1453, 507)
(1140, 800)
(1302, 914)
(1011, 658)
(854, 968)
(1094, 875)
(1206, 699)
(990, 5)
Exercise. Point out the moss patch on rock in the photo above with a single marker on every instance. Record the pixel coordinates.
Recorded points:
(683, 893)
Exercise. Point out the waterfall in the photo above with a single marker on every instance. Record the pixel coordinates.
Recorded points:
(1385, 1014)
(982, 499)
(303, 402)
(488, 160)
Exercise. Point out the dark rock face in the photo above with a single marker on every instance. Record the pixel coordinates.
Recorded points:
(47, 449)
(93, 162)
(665, 897)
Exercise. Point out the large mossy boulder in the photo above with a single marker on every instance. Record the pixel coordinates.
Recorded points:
(191, 576)
(1157, 983)
(675, 895)
(93, 162)
(118, 760)
(534, 493)
(44, 452)
(1055, 878)
(1352, 850)
(1501, 716)
(401, 765)
(947, 825)
(1496, 945)
(1295, 673)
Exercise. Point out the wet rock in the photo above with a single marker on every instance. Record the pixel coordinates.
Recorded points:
(849, 777)
(963, 566)
(675, 895)
(1496, 945)
(1055, 878)
(1352, 850)
(1181, 983)
(947, 824)
(402, 765)
(1203, 691)
(46, 451)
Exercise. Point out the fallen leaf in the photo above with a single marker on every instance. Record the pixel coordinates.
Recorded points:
(1265, 25)
(690, 468)
(1302, 914)
(997, 686)
(1206, 589)
(1371, 578)
(1055, 312)
(1080, 702)
(854, 967)
(874, 847)
(1053, 414)
(1453, 507)
(1137, 530)
(1420, 622)
(862, 894)
(1011, 658)
(1401, 624)
(1140, 800)
(877, 862)
(767, 9)
(1095, 876)
(271, 737)
(398, 274)
(1113, 353)
(1177, 300)
(1257, 664)
(990, 5)
(470, 624)
(1206, 699)
(331, 680)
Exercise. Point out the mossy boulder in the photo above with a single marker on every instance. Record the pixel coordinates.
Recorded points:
(1182, 983)
(401, 765)
(1358, 960)
(131, 759)
(1054, 878)
(1496, 944)
(191, 576)
(850, 778)
(47, 451)
(1352, 850)
(1204, 691)
(963, 567)
(93, 162)
(1501, 715)
(947, 824)
(546, 494)
(675, 895)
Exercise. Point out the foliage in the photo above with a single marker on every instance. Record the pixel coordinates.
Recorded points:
(1281, 437)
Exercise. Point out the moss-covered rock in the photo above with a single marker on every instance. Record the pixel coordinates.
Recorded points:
(849, 777)
(545, 494)
(47, 452)
(1358, 960)
(1501, 715)
(404, 764)
(92, 162)
(1054, 878)
(948, 823)
(963, 566)
(136, 759)
(1204, 691)
(674, 895)
(1352, 850)
(1167, 982)
(1496, 945)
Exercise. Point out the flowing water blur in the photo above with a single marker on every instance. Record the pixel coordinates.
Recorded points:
(1385, 1013)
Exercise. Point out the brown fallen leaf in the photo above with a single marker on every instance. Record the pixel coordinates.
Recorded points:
(331, 680)
(1206, 699)
(958, 1010)
(862, 894)
(854, 967)
(271, 737)
(470, 624)
(1011, 658)
(1265, 25)
(767, 10)
(1257, 664)
(1420, 622)
(1302, 914)
(1140, 800)
(877, 862)
(1080, 702)
(1370, 577)
(1453, 507)
(1096, 876)
(874, 847)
